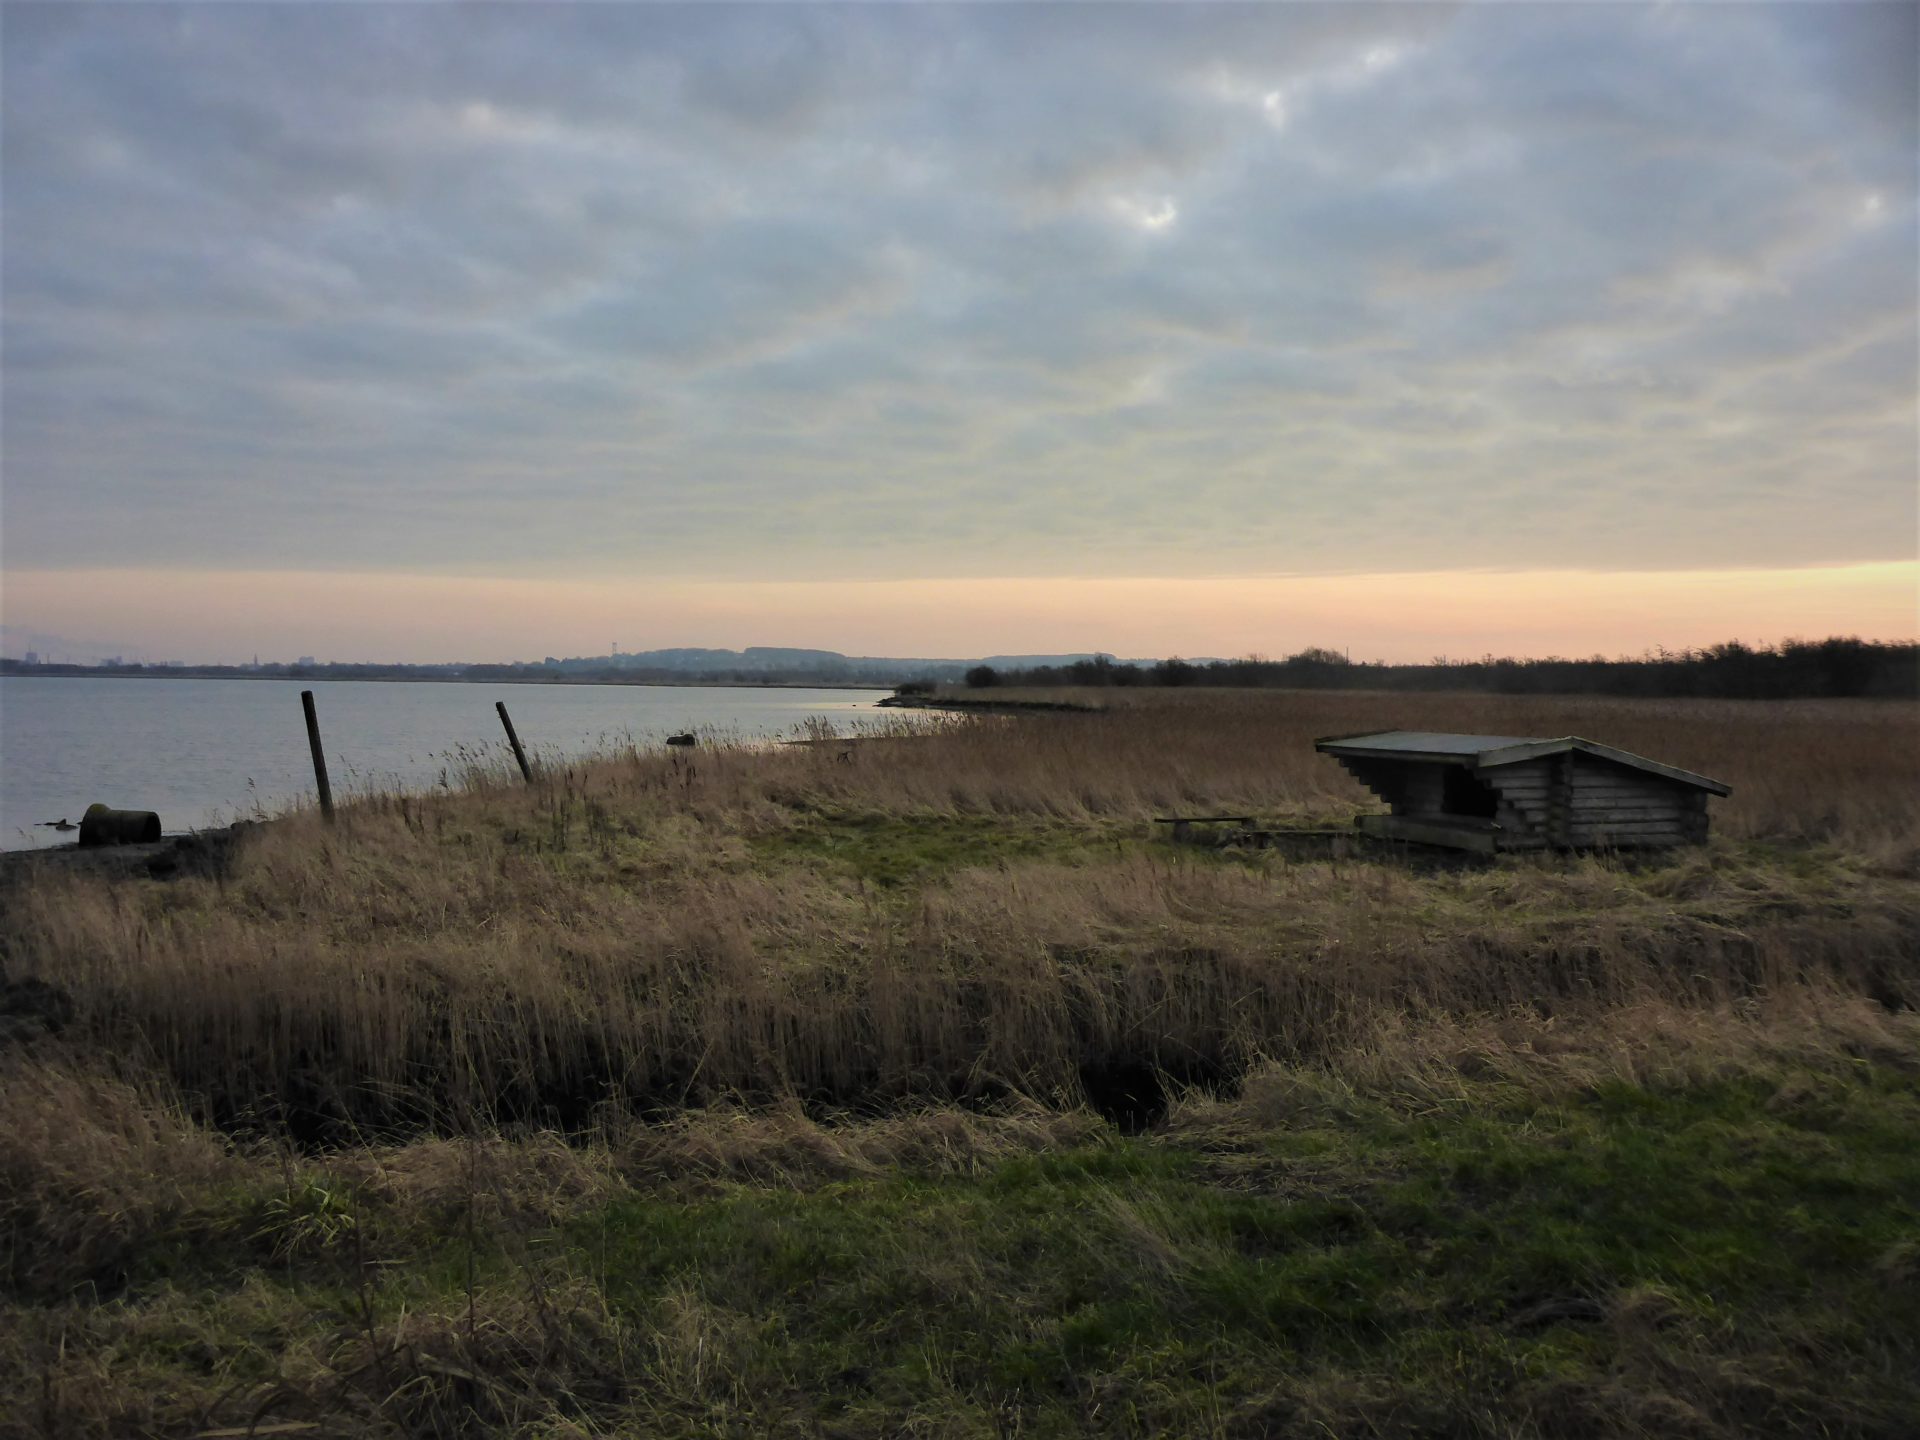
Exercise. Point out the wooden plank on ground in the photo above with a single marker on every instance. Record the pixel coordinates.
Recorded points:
(1429, 832)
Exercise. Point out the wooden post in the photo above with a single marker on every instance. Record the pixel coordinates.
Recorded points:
(526, 772)
(319, 756)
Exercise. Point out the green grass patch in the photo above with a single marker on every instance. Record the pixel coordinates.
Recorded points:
(1735, 1257)
(892, 851)
(1472, 1261)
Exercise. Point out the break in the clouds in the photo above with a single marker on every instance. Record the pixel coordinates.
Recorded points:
(1077, 290)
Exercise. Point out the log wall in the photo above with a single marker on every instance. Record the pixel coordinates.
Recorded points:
(1616, 805)
(1568, 799)
(1526, 795)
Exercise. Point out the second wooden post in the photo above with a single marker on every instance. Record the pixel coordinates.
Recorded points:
(526, 771)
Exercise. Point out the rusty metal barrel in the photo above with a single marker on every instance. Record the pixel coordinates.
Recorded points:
(102, 826)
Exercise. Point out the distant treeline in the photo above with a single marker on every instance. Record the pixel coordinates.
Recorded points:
(1793, 669)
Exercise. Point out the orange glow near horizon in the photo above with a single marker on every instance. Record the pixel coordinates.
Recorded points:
(211, 617)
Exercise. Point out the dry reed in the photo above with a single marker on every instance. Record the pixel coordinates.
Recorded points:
(622, 934)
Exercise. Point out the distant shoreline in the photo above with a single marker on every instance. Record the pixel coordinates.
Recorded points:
(49, 672)
(997, 705)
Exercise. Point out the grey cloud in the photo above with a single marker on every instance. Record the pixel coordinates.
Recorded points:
(752, 286)
(786, 290)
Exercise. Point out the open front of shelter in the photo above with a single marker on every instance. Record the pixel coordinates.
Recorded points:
(1506, 792)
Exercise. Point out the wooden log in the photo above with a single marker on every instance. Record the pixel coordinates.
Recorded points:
(1625, 799)
(1586, 814)
(1622, 826)
(1530, 802)
(1601, 838)
(1518, 823)
(1532, 773)
(1626, 836)
(1429, 831)
(1559, 799)
(1648, 786)
(1628, 827)
(1629, 841)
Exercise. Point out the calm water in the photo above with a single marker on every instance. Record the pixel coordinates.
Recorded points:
(202, 752)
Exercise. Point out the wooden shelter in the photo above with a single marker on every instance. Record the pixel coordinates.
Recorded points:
(1504, 792)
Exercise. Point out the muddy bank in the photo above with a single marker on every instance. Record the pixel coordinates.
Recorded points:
(199, 852)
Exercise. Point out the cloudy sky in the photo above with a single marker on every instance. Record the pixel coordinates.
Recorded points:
(493, 331)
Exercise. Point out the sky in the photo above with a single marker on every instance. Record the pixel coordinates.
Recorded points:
(415, 332)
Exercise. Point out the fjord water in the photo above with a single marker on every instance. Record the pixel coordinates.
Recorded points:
(205, 752)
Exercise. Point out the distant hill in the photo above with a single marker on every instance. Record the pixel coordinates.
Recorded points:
(757, 664)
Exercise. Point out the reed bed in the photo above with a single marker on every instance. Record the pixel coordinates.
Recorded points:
(1842, 770)
(651, 930)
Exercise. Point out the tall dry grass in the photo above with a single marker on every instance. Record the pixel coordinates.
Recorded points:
(622, 934)
(1843, 770)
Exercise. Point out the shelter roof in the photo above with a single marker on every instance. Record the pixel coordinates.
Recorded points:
(1488, 751)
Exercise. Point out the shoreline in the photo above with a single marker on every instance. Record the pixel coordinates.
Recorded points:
(185, 852)
(1001, 707)
(44, 672)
